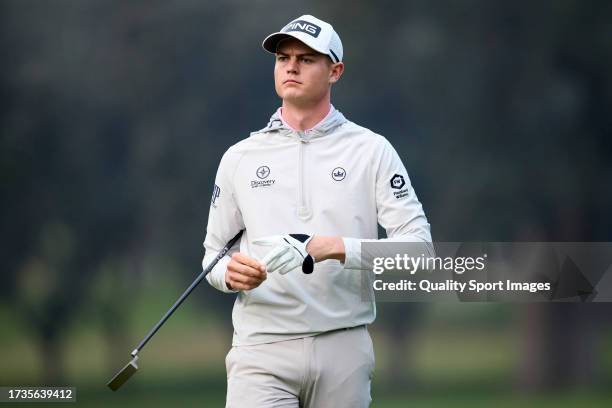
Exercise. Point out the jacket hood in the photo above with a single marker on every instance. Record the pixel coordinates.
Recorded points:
(331, 122)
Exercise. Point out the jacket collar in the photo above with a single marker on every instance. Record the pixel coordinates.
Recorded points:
(334, 119)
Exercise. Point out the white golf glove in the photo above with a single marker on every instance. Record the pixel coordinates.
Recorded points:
(287, 253)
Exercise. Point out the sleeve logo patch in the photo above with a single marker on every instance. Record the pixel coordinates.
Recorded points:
(397, 184)
(216, 193)
(397, 181)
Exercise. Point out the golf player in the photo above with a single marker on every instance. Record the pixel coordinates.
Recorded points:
(308, 189)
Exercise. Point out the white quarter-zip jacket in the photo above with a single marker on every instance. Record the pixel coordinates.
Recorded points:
(338, 179)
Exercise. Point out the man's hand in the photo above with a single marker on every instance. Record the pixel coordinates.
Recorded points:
(244, 272)
(322, 248)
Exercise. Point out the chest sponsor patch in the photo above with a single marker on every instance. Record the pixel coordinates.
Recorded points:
(260, 183)
(338, 174)
(263, 180)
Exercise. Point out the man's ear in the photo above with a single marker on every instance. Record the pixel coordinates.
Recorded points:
(336, 72)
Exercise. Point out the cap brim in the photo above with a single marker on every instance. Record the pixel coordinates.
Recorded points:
(271, 42)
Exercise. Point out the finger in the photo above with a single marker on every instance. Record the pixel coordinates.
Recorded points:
(273, 255)
(244, 279)
(246, 270)
(288, 267)
(241, 286)
(281, 267)
(247, 260)
(241, 280)
(276, 263)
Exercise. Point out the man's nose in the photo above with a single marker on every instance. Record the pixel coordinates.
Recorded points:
(292, 65)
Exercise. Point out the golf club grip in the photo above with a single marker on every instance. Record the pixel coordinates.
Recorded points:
(191, 287)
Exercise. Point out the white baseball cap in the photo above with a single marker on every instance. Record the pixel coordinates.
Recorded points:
(315, 33)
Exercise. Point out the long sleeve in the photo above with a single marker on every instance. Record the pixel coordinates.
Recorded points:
(224, 220)
(398, 211)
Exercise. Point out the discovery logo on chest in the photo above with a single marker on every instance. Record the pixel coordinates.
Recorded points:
(262, 173)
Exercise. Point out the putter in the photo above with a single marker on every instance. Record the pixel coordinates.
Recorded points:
(130, 368)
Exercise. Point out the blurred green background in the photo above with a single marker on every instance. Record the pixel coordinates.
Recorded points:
(114, 116)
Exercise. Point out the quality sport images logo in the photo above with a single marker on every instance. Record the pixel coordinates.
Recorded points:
(262, 173)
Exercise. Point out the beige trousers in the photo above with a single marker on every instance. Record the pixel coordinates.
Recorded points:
(332, 369)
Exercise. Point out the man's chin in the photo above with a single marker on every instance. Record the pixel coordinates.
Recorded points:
(293, 98)
(298, 99)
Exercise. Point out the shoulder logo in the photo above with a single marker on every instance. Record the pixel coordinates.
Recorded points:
(302, 26)
(398, 183)
(262, 173)
(338, 174)
(215, 195)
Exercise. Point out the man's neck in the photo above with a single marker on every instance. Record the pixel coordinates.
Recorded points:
(300, 118)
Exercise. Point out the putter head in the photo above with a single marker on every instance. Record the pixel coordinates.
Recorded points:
(122, 376)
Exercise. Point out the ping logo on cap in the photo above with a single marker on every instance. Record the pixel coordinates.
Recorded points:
(303, 26)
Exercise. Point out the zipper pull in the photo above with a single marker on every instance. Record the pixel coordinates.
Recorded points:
(303, 212)
(302, 136)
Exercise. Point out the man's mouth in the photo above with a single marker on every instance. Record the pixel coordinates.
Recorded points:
(291, 81)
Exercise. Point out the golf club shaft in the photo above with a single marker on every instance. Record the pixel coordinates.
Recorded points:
(180, 300)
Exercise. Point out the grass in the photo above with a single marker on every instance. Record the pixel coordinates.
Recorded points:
(210, 392)
(183, 366)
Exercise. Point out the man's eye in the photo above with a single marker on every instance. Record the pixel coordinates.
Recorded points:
(281, 58)
(307, 60)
